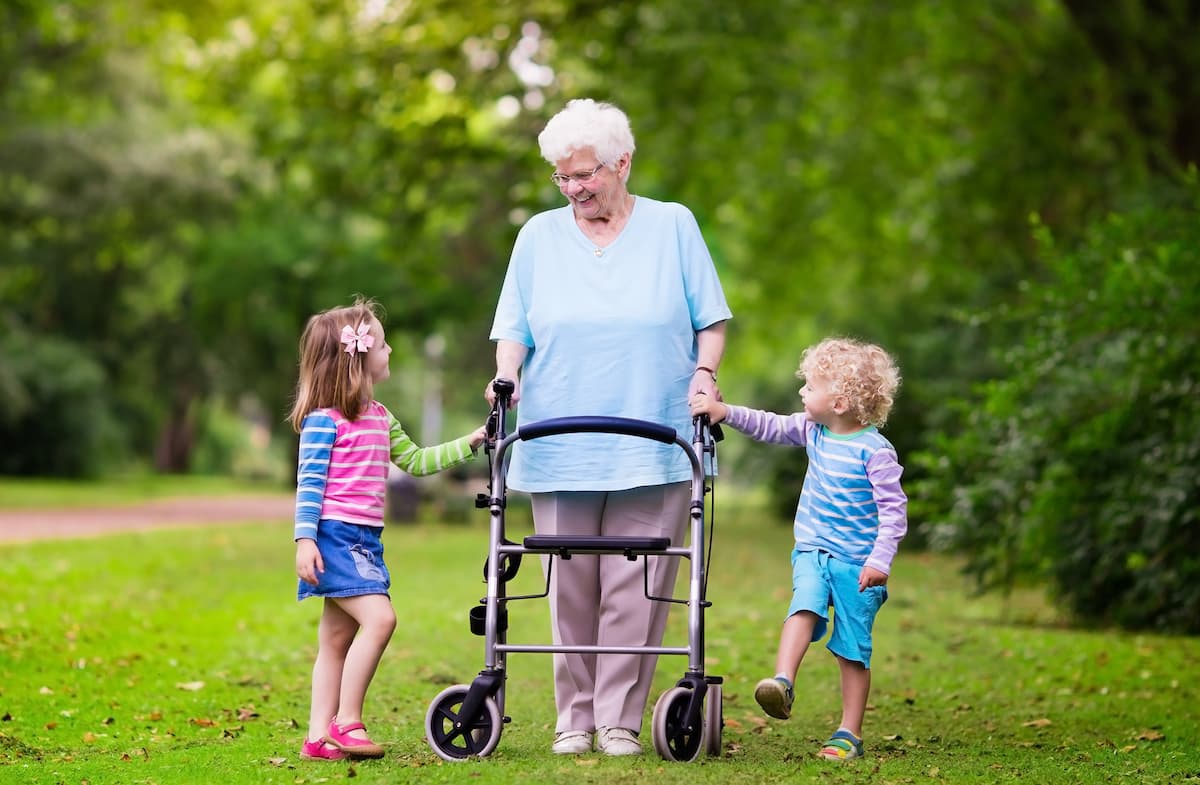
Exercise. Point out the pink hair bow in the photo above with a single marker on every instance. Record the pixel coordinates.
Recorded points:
(357, 340)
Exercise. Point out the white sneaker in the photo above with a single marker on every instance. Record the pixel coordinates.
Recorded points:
(572, 742)
(618, 741)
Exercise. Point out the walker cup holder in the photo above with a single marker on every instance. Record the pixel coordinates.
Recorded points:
(478, 617)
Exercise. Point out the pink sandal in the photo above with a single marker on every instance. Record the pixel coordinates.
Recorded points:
(338, 736)
(318, 750)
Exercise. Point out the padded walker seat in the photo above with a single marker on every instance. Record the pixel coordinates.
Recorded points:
(565, 544)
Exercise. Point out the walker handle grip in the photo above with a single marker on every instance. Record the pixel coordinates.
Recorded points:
(597, 424)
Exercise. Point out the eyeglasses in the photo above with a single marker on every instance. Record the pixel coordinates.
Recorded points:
(580, 177)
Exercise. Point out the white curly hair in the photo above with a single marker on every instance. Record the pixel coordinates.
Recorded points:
(587, 124)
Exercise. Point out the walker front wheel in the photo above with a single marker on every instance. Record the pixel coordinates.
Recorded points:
(676, 736)
(454, 737)
(714, 719)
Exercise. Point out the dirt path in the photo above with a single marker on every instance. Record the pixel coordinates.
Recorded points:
(75, 522)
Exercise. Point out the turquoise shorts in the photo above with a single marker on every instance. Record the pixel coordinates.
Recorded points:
(821, 582)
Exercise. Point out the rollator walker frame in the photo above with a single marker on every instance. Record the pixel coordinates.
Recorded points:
(466, 721)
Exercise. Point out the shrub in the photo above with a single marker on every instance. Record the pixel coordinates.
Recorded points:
(1080, 465)
(54, 404)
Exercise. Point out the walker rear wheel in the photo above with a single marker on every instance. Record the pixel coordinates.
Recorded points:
(675, 738)
(456, 738)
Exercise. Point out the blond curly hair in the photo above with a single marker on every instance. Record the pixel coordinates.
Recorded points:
(862, 373)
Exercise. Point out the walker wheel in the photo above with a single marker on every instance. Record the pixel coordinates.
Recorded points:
(714, 719)
(455, 738)
(675, 737)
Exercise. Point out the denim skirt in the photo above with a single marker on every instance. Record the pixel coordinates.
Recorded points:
(353, 557)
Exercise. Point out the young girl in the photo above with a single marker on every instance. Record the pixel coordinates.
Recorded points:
(851, 517)
(347, 440)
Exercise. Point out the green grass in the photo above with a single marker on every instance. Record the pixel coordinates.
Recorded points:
(181, 657)
(27, 493)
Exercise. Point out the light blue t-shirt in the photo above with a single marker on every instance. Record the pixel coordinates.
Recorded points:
(613, 335)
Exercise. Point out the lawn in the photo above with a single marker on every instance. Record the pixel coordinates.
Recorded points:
(174, 657)
(25, 493)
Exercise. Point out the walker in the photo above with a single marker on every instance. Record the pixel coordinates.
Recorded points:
(465, 721)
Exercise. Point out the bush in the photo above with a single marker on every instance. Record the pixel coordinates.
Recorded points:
(53, 403)
(1080, 465)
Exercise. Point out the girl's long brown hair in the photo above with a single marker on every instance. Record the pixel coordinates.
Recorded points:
(329, 376)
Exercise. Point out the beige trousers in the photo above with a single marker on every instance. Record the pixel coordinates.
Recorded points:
(600, 600)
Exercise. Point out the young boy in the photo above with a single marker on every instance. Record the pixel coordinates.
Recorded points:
(851, 517)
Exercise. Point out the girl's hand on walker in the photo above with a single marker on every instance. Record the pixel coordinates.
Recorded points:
(309, 564)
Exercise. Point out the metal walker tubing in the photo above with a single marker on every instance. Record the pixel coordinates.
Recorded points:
(495, 645)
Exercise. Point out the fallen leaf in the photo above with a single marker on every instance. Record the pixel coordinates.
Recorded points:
(586, 761)
(277, 761)
(190, 686)
(1042, 723)
(1151, 735)
(203, 722)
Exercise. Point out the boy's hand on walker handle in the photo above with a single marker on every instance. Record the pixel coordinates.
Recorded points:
(309, 564)
(701, 403)
(871, 577)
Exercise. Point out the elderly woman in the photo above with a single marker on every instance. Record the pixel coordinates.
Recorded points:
(611, 306)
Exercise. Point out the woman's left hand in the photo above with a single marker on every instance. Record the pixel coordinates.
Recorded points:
(703, 382)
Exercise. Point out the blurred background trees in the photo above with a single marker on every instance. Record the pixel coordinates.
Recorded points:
(1002, 193)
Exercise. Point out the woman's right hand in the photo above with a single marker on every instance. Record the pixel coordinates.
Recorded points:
(489, 391)
(309, 564)
(509, 357)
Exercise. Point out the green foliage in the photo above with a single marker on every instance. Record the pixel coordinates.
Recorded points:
(181, 188)
(1078, 464)
(54, 416)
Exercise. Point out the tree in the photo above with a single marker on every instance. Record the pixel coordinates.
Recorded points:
(1077, 466)
(1149, 50)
